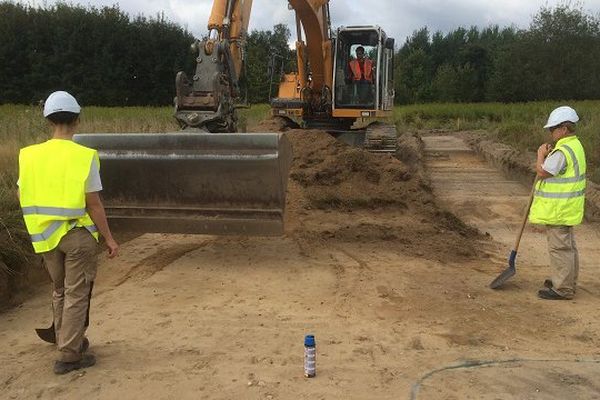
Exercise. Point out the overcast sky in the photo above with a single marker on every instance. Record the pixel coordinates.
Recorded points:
(399, 18)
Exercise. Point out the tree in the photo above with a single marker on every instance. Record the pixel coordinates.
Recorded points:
(100, 55)
(557, 58)
(414, 68)
(264, 49)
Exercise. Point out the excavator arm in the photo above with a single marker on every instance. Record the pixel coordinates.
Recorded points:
(207, 101)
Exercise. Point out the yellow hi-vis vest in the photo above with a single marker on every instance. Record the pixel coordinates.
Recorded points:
(561, 200)
(52, 179)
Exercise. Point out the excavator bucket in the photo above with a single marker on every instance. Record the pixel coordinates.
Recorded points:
(193, 182)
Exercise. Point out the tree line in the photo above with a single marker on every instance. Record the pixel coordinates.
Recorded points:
(105, 57)
(100, 54)
(556, 58)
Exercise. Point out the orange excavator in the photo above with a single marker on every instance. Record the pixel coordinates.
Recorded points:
(209, 179)
(321, 94)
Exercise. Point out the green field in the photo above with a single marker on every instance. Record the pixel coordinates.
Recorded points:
(518, 125)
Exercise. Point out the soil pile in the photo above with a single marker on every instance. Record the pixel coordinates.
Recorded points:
(337, 192)
(333, 175)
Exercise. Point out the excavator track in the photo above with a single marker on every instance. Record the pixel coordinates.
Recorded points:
(381, 138)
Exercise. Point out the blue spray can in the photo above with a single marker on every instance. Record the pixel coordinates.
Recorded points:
(310, 356)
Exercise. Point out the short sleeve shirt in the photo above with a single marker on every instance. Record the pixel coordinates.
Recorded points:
(555, 164)
(93, 182)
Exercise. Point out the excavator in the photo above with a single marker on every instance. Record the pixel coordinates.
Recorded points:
(209, 179)
(319, 95)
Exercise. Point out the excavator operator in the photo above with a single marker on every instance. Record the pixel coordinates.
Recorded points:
(360, 75)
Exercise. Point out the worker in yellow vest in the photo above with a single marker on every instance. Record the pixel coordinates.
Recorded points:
(59, 185)
(559, 201)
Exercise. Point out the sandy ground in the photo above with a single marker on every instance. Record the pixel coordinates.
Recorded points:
(396, 296)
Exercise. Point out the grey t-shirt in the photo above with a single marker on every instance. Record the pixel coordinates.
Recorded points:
(555, 164)
(93, 182)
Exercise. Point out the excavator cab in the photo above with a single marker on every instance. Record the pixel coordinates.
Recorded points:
(352, 85)
(363, 78)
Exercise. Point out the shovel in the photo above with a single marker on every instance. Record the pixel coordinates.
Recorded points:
(512, 269)
(47, 334)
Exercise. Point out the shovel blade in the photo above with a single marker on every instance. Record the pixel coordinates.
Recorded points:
(507, 273)
(47, 334)
(503, 277)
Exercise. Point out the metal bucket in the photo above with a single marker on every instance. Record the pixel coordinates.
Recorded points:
(193, 182)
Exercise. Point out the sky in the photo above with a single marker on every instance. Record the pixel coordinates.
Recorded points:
(399, 18)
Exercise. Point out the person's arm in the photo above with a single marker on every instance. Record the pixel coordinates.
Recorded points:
(94, 207)
(542, 153)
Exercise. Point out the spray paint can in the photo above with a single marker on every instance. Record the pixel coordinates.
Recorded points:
(310, 356)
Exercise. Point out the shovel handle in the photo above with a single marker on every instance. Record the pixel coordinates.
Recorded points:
(525, 217)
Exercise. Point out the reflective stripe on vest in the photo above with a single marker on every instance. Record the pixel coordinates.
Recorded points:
(52, 179)
(560, 200)
(55, 226)
(549, 195)
(54, 211)
(47, 234)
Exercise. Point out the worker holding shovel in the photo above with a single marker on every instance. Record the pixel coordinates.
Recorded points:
(559, 200)
(59, 182)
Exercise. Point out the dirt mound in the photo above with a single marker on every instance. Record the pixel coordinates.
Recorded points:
(340, 193)
(333, 175)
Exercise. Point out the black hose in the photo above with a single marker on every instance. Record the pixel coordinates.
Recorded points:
(483, 363)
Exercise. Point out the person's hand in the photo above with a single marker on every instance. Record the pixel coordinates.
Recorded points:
(544, 150)
(113, 248)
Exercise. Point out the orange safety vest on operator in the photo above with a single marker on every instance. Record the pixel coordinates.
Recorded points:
(357, 74)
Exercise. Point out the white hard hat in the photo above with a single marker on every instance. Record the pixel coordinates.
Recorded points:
(61, 101)
(560, 115)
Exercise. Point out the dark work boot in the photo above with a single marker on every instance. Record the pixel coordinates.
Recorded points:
(549, 294)
(85, 344)
(62, 367)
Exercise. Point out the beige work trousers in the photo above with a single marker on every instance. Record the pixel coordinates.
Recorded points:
(72, 268)
(564, 260)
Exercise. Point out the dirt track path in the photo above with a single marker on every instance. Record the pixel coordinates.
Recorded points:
(486, 198)
(188, 317)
